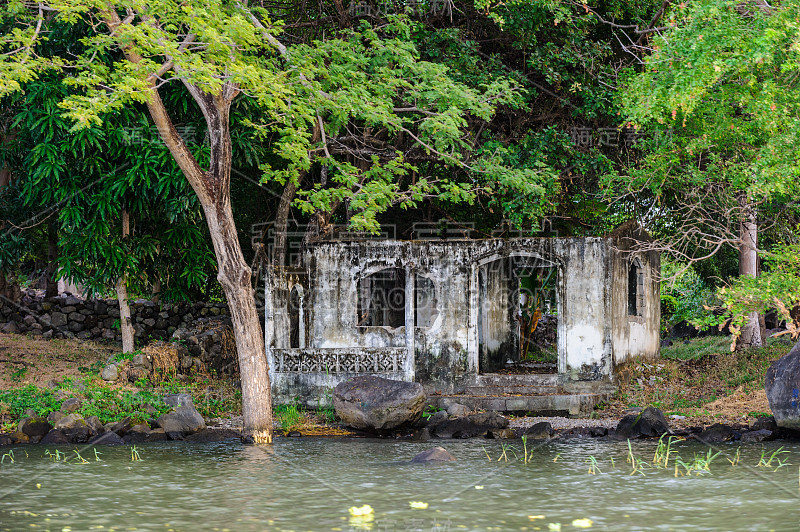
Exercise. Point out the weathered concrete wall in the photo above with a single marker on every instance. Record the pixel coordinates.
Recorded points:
(469, 318)
(634, 335)
(583, 312)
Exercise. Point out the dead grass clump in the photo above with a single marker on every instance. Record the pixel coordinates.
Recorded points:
(166, 359)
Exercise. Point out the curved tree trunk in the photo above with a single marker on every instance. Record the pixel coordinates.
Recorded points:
(212, 187)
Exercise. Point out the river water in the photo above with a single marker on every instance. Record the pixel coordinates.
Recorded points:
(303, 484)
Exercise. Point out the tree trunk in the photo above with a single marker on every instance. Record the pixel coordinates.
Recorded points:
(213, 191)
(751, 335)
(282, 224)
(51, 284)
(125, 324)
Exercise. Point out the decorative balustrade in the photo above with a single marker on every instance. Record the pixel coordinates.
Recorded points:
(340, 360)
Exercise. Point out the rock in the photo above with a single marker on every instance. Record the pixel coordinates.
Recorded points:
(436, 454)
(73, 404)
(757, 436)
(183, 420)
(96, 428)
(110, 373)
(422, 435)
(74, 427)
(137, 434)
(107, 438)
(176, 400)
(501, 434)
(215, 435)
(139, 367)
(457, 410)
(20, 437)
(58, 319)
(10, 328)
(374, 403)
(650, 423)
(119, 427)
(782, 383)
(34, 427)
(540, 431)
(470, 426)
(30, 413)
(5, 439)
(716, 433)
(437, 419)
(54, 437)
(764, 423)
(157, 434)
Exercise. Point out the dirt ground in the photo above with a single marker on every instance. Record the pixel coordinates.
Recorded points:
(29, 360)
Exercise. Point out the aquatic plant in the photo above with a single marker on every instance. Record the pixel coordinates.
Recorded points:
(637, 464)
(80, 458)
(418, 505)
(664, 450)
(699, 465)
(135, 454)
(594, 468)
(9, 455)
(58, 456)
(360, 510)
(97, 455)
(736, 458)
(774, 457)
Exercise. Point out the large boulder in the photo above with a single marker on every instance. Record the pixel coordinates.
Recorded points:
(374, 403)
(54, 437)
(34, 427)
(650, 423)
(717, 433)
(107, 438)
(181, 421)
(782, 383)
(74, 428)
(470, 426)
(540, 431)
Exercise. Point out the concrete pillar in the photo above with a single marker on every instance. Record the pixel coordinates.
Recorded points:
(408, 370)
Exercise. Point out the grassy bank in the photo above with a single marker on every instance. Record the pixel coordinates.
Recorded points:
(39, 375)
(701, 380)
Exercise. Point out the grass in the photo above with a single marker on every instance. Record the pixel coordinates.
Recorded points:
(113, 402)
(700, 379)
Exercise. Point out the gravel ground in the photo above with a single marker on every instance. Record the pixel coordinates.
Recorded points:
(558, 423)
(563, 423)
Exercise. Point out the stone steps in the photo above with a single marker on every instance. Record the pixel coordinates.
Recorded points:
(527, 384)
(534, 393)
(574, 405)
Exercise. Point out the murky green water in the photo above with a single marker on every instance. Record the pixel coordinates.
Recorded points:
(309, 484)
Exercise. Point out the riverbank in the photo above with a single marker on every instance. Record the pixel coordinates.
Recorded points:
(695, 384)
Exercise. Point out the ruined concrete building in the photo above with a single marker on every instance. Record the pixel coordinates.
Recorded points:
(520, 324)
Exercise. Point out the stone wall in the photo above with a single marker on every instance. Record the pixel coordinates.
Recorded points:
(67, 316)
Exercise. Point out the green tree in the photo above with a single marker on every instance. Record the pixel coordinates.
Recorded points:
(98, 185)
(721, 86)
(309, 96)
